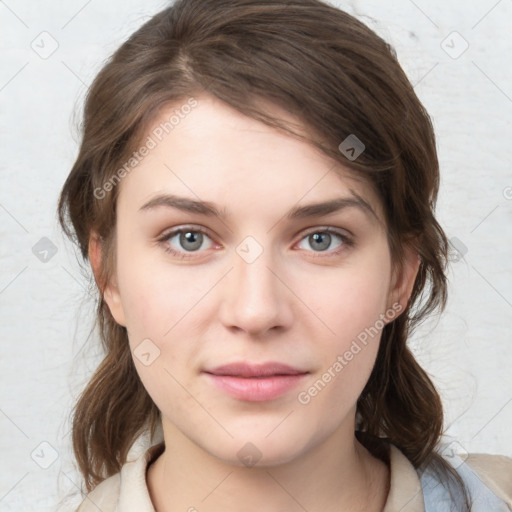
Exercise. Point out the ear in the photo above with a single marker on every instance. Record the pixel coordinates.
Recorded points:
(402, 282)
(109, 290)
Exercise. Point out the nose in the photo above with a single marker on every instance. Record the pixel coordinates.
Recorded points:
(255, 297)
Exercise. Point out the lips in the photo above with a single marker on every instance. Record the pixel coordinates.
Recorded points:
(255, 382)
(247, 370)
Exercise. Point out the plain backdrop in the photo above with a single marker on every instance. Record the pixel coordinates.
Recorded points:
(455, 54)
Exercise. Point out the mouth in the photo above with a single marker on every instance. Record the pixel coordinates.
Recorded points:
(255, 382)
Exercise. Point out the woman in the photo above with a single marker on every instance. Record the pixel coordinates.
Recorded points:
(245, 368)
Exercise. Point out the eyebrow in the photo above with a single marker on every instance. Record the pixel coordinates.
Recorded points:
(300, 212)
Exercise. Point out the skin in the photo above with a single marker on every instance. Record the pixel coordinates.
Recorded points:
(295, 303)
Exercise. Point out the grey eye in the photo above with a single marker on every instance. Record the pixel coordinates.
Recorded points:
(321, 240)
(190, 240)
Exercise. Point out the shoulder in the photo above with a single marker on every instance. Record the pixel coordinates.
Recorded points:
(104, 496)
(126, 490)
(487, 478)
(495, 471)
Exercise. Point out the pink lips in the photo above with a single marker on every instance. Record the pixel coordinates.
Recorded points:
(255, 383)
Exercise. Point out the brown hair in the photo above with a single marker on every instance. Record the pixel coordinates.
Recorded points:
(339, 78)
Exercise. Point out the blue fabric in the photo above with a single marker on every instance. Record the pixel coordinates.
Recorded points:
(437, 497)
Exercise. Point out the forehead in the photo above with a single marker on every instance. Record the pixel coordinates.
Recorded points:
(214, 152)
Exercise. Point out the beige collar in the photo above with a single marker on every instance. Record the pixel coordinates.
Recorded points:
(405, 492)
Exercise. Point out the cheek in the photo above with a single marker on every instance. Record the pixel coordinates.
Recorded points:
(353, 309)
(346, 359)
(155, 297)
(351, 303)
(334, 391)
(156, 305)
(159, 303)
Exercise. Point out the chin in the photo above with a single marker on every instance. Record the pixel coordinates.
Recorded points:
(252, 447)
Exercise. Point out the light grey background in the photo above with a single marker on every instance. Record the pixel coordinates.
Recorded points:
(47, 355)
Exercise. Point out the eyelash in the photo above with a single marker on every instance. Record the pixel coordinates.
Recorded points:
(347, 241)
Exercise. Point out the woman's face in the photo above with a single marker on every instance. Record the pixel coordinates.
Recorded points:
(262, 283)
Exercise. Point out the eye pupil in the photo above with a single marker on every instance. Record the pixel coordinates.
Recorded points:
(321, 237)
(192, 237)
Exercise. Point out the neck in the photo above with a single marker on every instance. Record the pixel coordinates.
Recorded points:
(337, 475)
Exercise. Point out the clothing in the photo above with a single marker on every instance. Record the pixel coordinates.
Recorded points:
(488, 477)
